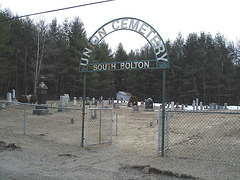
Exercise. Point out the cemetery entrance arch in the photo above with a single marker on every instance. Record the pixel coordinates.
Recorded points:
(161, 60)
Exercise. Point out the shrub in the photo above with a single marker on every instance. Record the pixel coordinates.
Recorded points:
(33, 99)
(133, 100)
(22, 99)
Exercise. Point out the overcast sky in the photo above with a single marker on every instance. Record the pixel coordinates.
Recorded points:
(167, 17)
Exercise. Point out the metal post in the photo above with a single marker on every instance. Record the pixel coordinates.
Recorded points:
(163, 114)
(83, 109)
(100, 126)
(24, 126)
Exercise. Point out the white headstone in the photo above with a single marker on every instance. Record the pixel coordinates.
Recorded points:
(193, 105)
(93, 101)
(197, 104)
(9, 97)
(172, 106)
(63, 103)
(3, 106)
(67, 95)
(75, 101)
(13, 94)
(201, 106)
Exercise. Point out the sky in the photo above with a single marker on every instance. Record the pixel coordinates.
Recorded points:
(167, 17)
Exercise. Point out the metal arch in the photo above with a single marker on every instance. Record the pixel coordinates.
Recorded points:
(115, 30)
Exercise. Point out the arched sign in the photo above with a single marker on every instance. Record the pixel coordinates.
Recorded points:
(161, 60)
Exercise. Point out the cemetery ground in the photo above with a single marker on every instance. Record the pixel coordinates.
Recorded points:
(51, 149)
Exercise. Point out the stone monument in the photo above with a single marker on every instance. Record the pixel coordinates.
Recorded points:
(9, 99)
(63, 104)
(149, 105)
(42, 108)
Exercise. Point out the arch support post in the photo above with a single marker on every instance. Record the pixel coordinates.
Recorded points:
(83, 109)
(163, 115)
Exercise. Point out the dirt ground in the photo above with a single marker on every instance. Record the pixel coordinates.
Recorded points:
(50, 149)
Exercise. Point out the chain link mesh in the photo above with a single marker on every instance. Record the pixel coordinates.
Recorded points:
(60, 125)
(99, 126)
(204, 135)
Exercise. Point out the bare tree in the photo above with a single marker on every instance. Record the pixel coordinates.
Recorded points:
(41, 34)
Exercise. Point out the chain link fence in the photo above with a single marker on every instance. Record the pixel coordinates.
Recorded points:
(204, 135)
(61, 125)
(99, 126)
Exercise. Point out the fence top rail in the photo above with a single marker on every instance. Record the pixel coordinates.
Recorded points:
(206, 111)
(100, 108)
(41, 105)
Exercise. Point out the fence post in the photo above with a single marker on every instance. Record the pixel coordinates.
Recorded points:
(24, 123)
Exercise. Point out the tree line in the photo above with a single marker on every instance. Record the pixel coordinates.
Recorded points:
(201, 66)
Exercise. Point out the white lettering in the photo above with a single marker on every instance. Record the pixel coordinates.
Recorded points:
(140, 65)
(136, 63)
(104, 66)
(121, 65)
(113, 66)
(85, 60)
(159, 49)
(162, 58)
(146, 64)
(95, 67)
(127, 65)
(100, 67)
(86, 52)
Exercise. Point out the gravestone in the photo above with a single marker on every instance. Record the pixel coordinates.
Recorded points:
(93, 114)
(172, 106)
(135, 109)
(177, 105)
(182, 108)
(3, 106)
(196, 104)
(67, 95)
(109, 101)
(63, 106)
(42, 108)
(75, 101)
(225, 106)
(142, 104)
(53, 104)
(149, 105)
(104, 103)
(168, 105)
(193, 105)
(130, 104)
(93, 101)
(13, 94)
(201, 106)
(87, 101)
(80, 98)
(112, 101)
(9, 99)
(116, 106)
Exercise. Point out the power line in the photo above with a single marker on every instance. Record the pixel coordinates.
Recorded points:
(44, 12)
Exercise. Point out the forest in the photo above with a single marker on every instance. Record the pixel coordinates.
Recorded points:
(203, 66)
